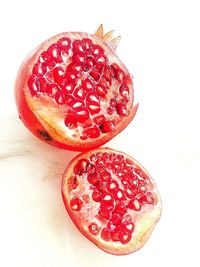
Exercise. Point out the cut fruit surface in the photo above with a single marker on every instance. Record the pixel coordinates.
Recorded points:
(112, 200)
(75, 88)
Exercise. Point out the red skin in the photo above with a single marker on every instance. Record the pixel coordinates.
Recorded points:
(33, 124)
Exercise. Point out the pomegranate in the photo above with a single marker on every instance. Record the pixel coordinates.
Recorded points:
(112, 200)
(73, 92)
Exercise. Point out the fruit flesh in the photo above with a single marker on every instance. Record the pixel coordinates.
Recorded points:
(112, 200)
(78, 116)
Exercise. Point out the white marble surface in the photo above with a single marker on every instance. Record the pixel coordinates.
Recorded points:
(35, 230)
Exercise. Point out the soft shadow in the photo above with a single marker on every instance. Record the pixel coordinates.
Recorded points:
(51, 163)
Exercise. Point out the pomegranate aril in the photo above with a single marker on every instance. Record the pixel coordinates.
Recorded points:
(96, 195)
(148, 198)
(93, 103)
(70, 118)
(116, 218)
(105, 213)
(75, 68)
(128, 226)
(89, 62)
(105, 234)
(120, 208)
(107, 73)
(87, 84)
(64, 43)
(33, 85)
(101, 60)
(129, 192)
(79, 58)
(97, 50)
(52, 89)
(39, 69)
(79, 93)
(95, 75)
(58, 74)
(124, 90)
(71, 77)
(81, 166)
(55, 53)
(87, 43)
(101, 90)
(72, 183)
(99, 119)
(110, 110)
(134, 204)
(44, 56)
(60, 98)
(106, 127)
(94, 228)
(69, 100)
(115, 234)
(105, 177)
(121, 110)
(113, 186)
(113, 102)
(119, 195)
(141, 173)
(67, 87)
(93, 178)
(124, 237)
(43, 84)
(78, 46)
(78, 105)
(76, 204)
(92, 132)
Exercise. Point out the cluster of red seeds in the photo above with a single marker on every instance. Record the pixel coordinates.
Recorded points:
(77, 74)
(119, 186)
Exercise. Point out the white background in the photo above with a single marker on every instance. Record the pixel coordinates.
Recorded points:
(160, 46)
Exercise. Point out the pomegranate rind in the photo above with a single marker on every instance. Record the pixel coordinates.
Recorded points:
(45, 118)
(145, 223)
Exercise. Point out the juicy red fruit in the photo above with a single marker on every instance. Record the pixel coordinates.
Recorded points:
(79, 87)
(108, 203)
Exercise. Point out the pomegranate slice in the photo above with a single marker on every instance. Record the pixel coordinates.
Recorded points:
(67, 69)
(106, 203)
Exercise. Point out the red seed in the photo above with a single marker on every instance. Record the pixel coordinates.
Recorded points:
(79, 58)
(33, 85)
(101, 60)
(105, 176)
(124, 237)
(128, 226)
(93, 178)
(70, 118)
(81, 166)
(66, 87)
(76, 204)
(120, 208)
(116, 218)
(93, 103)
(134, 204)
(58, 74)
(72, 183)
(106, 127)
(105, 234)
(115, 234)
(60, 98)
(94, 228)
(119, 195)
(71, 77)
(78, 46)
(55, 53)
(92, 132)
(39, 69)
(87, 43)
(121, 109)
(101, 90)
(97, 50)
(96, 195)
(87, 84)
(64, 43)
(99, 119)
(124, 90)
(79, 93)
(95, 75)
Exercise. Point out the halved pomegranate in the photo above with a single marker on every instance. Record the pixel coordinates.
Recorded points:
(112, 200)
(73, 91)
